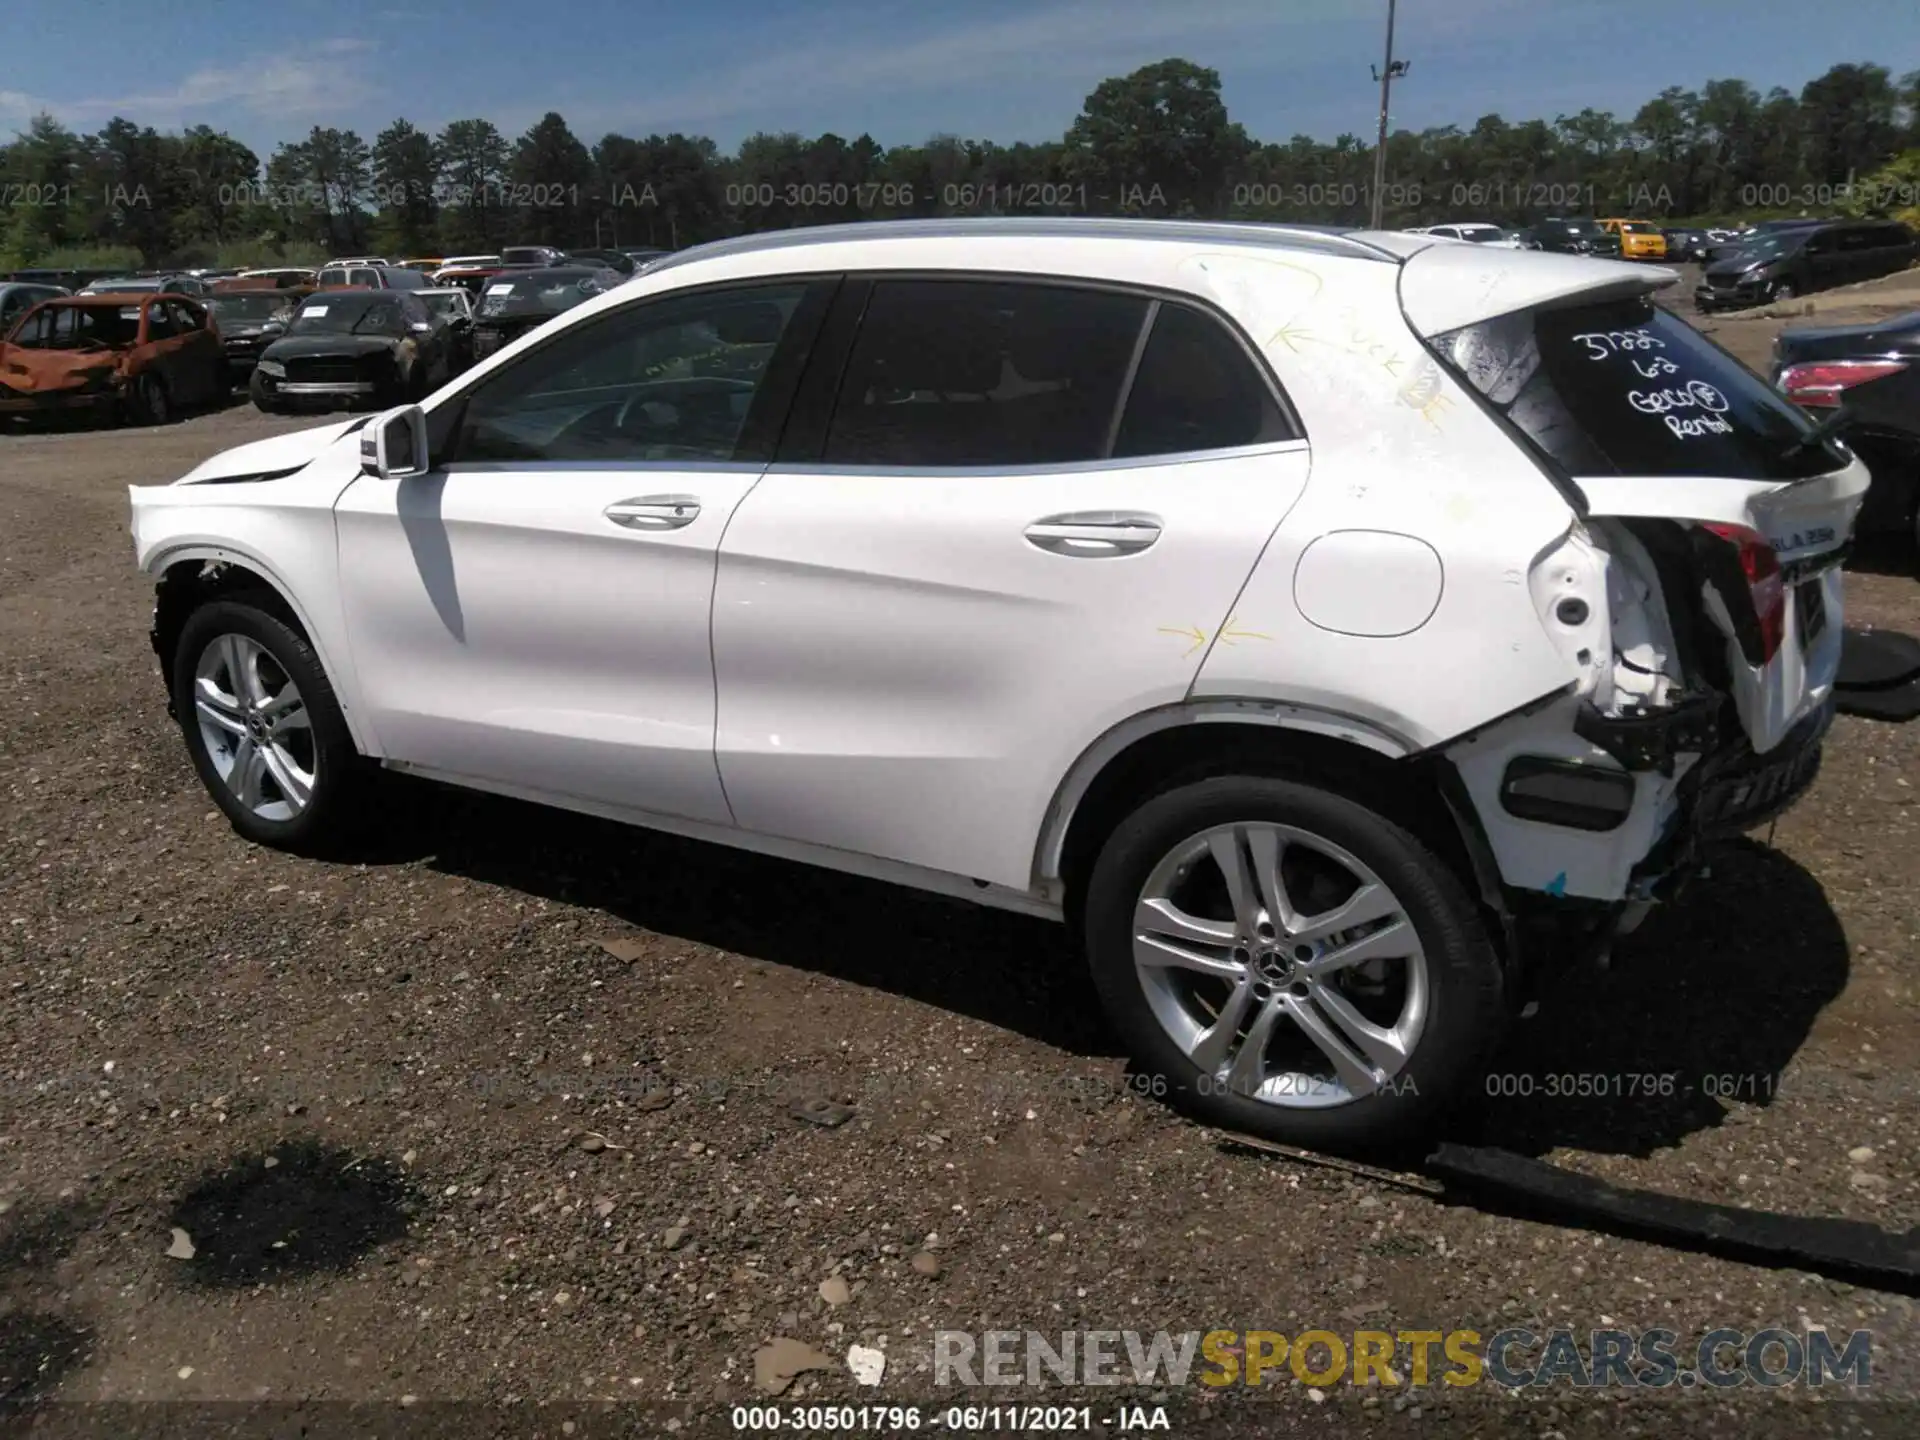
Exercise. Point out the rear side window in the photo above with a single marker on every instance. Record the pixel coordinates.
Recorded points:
(972, 373)
(1196, 389)
(1624, 388)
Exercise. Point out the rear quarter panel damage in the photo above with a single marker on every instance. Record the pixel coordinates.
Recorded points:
(1400, 450)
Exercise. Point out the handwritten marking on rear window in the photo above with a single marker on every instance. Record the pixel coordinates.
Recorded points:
(1603, 343)
(1697, 396)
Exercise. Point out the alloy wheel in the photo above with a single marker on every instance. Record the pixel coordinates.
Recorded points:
(1283, 967)
(255, 726)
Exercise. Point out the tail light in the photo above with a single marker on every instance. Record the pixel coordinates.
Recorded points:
(1818, 384)
(1765, 585)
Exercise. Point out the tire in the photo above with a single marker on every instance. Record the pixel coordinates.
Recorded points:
(1782, 290)
(270, 810)
(1446, 1022)
(257, 392)
(150, 402)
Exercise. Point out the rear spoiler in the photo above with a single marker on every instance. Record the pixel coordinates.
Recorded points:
(1447, 287)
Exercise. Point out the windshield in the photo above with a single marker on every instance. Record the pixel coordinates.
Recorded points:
(250, 309)
(349, 315)
(1626, 388)
(523, 256)
(123, 287)
(1637, 227)
(448, 306)
(547, 293)
(1482, 233)
(1768, 247)
(77, 327)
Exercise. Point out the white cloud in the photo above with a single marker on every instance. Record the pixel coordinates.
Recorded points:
(278, 87)
(1077, 38)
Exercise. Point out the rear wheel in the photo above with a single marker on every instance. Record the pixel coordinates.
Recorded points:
(263, 728)
(1292, 964)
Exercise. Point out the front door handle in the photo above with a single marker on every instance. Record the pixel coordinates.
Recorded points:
(654, 512)
(1094, 534)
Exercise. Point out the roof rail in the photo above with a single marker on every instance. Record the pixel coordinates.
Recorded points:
(1321, 239)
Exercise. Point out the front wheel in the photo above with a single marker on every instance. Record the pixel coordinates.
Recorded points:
(1290, 963)
(1783, 290)
(151, 405)
(263, 728)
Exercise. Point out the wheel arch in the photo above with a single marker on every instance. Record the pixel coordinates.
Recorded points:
(192, 574)
(1177, 744)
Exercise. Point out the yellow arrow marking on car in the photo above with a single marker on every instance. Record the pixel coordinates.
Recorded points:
(1191, 632)
(1228, 635)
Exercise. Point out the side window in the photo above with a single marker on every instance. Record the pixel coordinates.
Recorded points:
(1853, 240)
(1197, 389)
(365, 275)
(159, 321)
(981, 372)
(672, 380)
(1823, 242)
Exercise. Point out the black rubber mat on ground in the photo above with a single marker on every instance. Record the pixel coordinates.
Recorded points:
(1879, 675)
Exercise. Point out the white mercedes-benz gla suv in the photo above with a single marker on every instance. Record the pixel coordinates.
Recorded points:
(1314, 620)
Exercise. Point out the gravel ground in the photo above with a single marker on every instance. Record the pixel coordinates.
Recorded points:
(428, 1140)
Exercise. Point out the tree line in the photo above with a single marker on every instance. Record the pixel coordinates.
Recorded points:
(1158, 142)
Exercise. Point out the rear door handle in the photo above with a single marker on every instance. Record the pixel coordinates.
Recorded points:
(654, 512)
(1095, 534)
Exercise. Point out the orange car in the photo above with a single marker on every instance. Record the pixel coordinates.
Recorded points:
(1639, 239)
(142, 356)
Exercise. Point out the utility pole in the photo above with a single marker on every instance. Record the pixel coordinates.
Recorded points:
(1393, 71)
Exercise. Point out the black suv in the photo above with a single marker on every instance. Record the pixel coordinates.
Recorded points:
(1577, 235)
(1785, 263)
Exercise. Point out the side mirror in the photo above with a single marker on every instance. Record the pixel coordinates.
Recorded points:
(394, 446)
(274, 327)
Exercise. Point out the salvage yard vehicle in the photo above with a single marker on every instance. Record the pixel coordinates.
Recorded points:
(1874, 371)
(145, 285)
(1327, 625)
(1480, 232)
(470, 278)
(453, 307)
(286, 276)
(354, 347)
(1576, 236)
(516, 301)
(250, 319)
(138, 357)
(1639, 239)
(18, 297)
(371, 276)
(1786, 263)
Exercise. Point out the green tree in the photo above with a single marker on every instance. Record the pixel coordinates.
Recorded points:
(1157, 141)
(1850, 118)
(46, 166)
(552, 184)
(404, 174)
(472, 156)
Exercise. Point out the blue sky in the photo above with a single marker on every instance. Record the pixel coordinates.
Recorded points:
(900, 70)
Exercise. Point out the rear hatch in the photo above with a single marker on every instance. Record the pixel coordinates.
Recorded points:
(1641, 419)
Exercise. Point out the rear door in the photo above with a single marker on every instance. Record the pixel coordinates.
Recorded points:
(1021, 519)
(1654, 421)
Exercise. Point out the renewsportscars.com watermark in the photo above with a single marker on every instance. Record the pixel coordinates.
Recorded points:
(1514, 1358)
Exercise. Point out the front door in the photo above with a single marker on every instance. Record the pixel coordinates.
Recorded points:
(1025, 521)
(533, 612)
